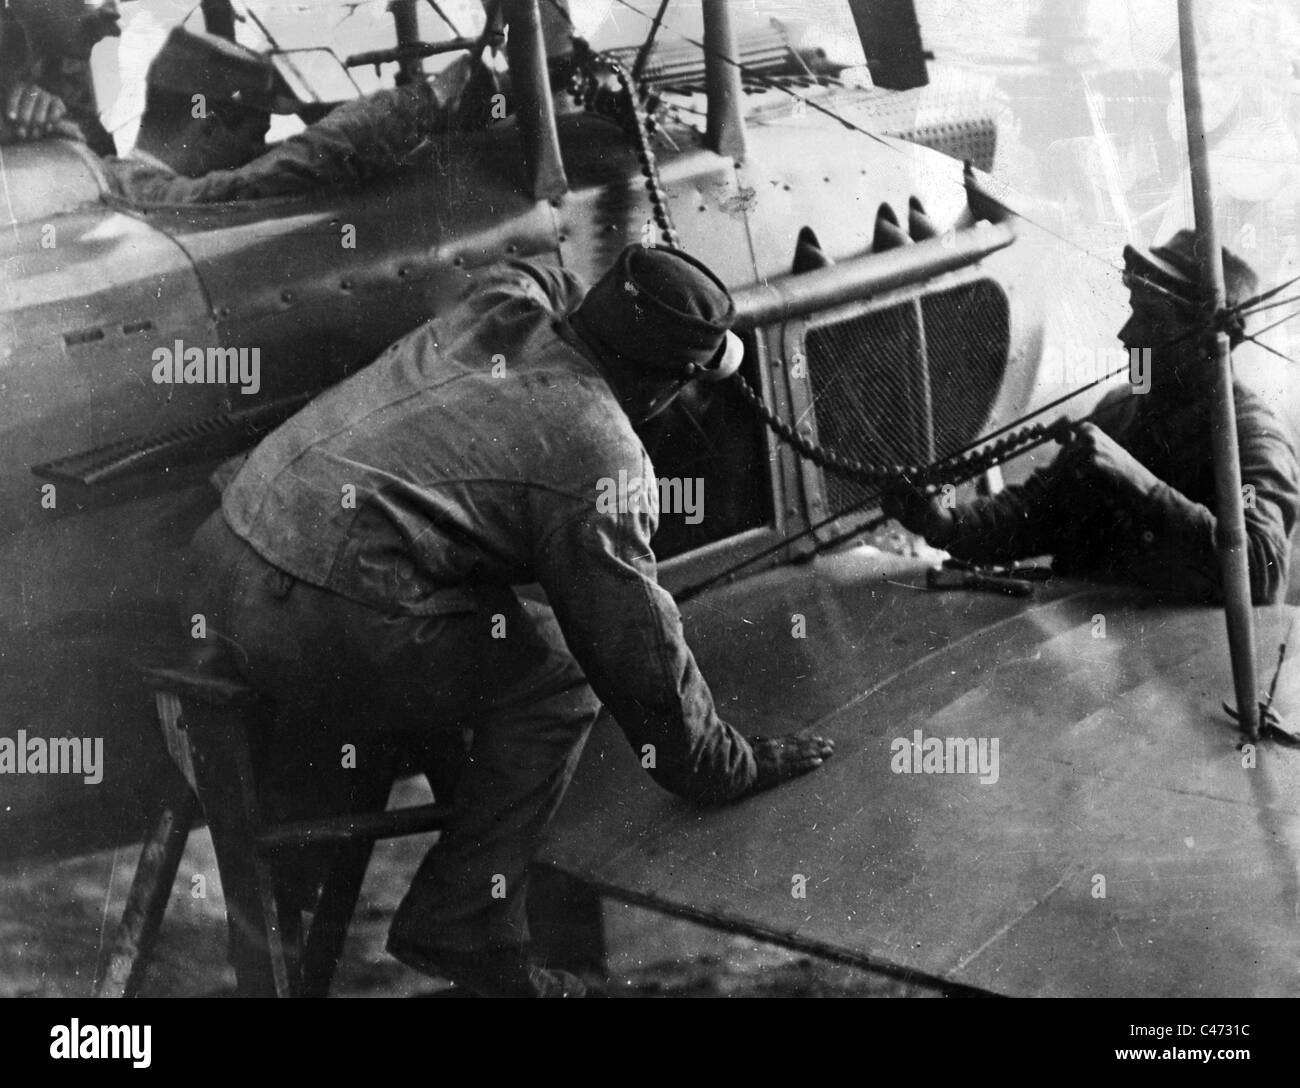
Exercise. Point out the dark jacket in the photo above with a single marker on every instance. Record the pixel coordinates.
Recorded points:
(353, 144)
(1165, 540)
(473, 454)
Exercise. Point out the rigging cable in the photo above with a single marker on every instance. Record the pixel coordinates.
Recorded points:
(758, 77)
(972, 460)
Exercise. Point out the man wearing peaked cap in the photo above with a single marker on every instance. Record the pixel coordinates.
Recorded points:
(659, 318)
(208, 105)
(471, 477)
(1131, 497)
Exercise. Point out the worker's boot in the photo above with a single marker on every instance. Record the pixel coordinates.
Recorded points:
(489, 972)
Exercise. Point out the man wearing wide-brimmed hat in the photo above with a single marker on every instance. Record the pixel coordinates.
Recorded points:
(366, 557)
(1131, 498)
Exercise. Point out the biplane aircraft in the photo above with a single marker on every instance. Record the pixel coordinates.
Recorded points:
(897, 306)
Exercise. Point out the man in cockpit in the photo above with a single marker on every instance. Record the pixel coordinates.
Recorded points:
(1131, 497)
(208, 107)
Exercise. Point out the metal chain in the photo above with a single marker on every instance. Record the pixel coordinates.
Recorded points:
(955, 469)
(645, 154)
(964, 466)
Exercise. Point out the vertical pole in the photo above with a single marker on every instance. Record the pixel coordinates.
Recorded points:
(1234, 572)
(407, 24)
(725, 132)
(534, 108)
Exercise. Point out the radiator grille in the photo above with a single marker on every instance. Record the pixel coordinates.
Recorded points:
(968, 336)
(877, 398)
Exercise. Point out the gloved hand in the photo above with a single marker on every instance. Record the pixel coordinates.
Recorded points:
(917, 510)
(1094, 453)
(782, 758)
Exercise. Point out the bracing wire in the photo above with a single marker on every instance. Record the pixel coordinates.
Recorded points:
(978, 456)
(840, 119)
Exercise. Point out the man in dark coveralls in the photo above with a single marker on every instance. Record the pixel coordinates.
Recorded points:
(208, 107)
(219, 152)
(365, 558)
(1131, 498)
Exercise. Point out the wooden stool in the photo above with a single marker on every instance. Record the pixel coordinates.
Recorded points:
(215, 727)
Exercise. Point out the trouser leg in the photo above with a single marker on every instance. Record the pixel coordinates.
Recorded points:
(523, 695)
(470, 890)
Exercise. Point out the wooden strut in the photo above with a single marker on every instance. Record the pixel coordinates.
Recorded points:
(147, 901)
(1231, 533)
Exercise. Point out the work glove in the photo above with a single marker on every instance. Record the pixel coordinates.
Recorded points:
(782, 758)
(917, 510)
(1093, 453)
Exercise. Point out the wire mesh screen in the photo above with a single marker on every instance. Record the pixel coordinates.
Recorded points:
(877, 399)
(967, 338)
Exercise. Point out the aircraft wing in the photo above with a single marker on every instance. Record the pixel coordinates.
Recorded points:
(1123, 849)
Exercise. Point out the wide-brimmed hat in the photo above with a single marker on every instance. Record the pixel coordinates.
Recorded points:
(1173, 269)
(664, 311)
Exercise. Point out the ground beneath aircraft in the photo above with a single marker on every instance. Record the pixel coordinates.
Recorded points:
(57, 920)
